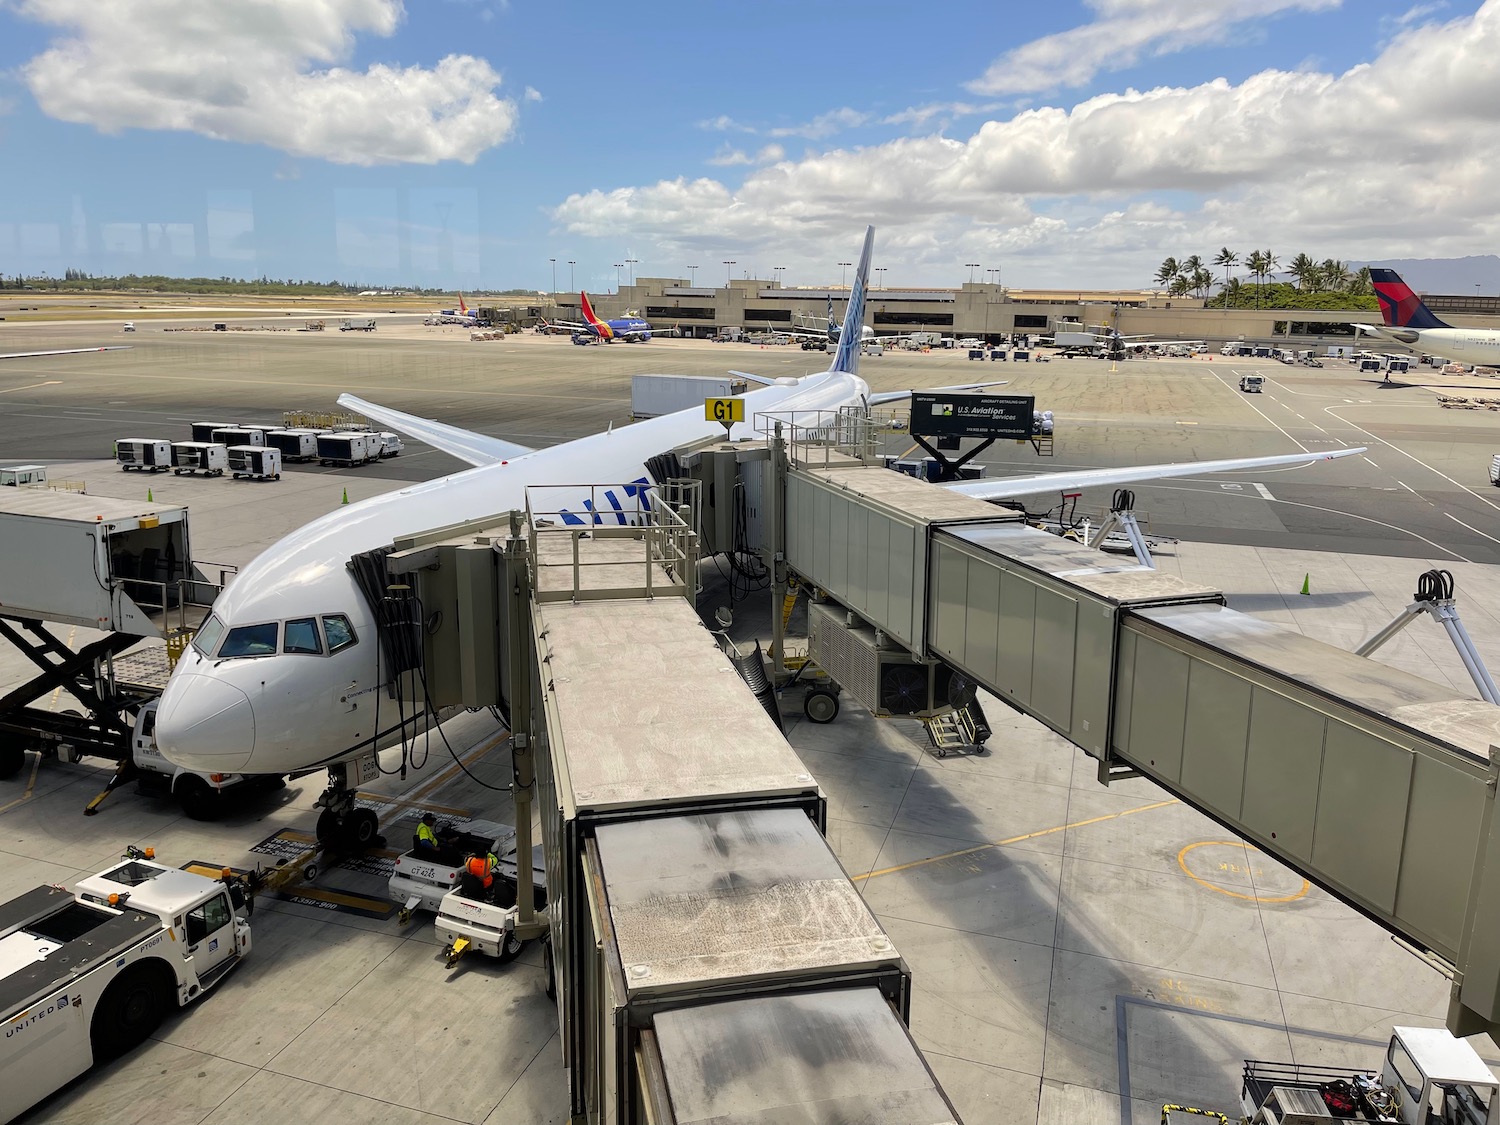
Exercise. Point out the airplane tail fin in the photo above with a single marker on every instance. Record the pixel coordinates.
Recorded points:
(1399, 306)
(846, 358)
(463, 309)
(600, 328)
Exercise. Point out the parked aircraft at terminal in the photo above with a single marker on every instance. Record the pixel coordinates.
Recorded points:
(285, 674)
(1409, 321)
(631, 329)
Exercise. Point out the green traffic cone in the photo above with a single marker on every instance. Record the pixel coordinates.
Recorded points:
(345, 500)
(148, 497)
(1306, 578)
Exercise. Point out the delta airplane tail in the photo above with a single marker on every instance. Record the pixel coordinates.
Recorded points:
(1399, 306)
(593, 321)
(846, 357)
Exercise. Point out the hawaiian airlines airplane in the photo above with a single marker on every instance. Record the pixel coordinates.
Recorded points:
(1409, 321)
(285, 674)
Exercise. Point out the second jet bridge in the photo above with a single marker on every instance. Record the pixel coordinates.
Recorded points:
(1375, 783)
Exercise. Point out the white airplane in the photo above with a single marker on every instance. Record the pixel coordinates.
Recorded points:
(285, 674)
(69, 351)
(1409, 321)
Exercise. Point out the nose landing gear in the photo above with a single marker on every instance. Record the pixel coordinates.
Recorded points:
(342, 825)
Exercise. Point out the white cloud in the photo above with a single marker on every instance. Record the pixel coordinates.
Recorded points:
(725, 124)
(1123, 33)
(824, 125)
(770, 154)
(1390, 158)
(919, 116)
(728, 157)
(267, 72)
(532, 94)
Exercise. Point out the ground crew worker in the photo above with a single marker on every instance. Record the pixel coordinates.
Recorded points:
(427, 834)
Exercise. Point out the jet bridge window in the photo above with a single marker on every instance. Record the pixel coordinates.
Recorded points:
(340, 633)
(250, 640)
(302, 636)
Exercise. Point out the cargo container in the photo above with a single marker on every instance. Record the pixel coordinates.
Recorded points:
(651, 396)
(204, 431)
(240, 435)
(207, 457)
(348, 449)
(294, 445)
(146, 454)
(255, 462)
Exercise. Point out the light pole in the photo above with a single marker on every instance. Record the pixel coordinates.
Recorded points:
(571, 264)
(972, 267)
(692, 277)
(632, 263)
(842, 267)
(618, 267)
(554, 273)
(779, 270)
(729, 265)
(880, 281)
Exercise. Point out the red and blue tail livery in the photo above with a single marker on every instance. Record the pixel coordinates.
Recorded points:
(1399, 306)
(631, 329)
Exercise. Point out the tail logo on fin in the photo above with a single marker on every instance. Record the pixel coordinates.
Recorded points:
(593, 321)
(463, 309)
(1399, 306)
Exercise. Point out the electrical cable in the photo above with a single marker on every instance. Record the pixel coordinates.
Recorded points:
(432, 714)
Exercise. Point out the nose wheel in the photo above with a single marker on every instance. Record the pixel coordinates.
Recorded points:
(341, 825)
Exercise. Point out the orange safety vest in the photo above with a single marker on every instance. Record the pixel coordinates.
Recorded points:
(480, 868)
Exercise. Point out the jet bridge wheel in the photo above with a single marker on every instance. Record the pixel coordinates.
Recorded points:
(12, 760)
(820, 705)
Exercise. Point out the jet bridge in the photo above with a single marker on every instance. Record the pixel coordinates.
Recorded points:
(1374, 783)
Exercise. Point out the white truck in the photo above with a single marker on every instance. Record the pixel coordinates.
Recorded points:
(359, 324)
(86, 976)
(1427, 1077)
(472, 919)
(654, 395)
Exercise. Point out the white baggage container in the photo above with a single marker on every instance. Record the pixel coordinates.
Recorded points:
(651, 396)
(240, 435)
(204, 431)
(255, 462)
(146, 454)
(207, 457)
(349, 448)
(295, 445)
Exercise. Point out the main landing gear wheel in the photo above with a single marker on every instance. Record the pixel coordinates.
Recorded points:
(820, 706)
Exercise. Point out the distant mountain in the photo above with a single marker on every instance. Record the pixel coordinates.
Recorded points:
(1449, 276)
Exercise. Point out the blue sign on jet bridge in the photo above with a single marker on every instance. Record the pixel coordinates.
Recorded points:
(964, 414)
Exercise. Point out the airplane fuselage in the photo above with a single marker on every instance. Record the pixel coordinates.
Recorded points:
(1463, 345)
(283, 711)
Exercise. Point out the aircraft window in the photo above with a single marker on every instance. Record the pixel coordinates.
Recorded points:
(208, 635)
(302, 636)
(250, 640)
(340, 632)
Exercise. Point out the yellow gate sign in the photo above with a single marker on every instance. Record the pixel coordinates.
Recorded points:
(724, 410)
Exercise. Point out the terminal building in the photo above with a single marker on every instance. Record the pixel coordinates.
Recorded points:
(984, 310)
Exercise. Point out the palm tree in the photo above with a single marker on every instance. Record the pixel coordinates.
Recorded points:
(1178, 287)
(1255, 262)
(1233, 291)
(1168, 270)
(1360, 285)
(1335, 275)
(1305, 271)
(1226, 258)
(1201, 281)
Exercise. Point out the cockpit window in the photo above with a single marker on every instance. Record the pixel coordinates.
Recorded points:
(208, 635)
(302, 636)
(249, 640)
(340, 633)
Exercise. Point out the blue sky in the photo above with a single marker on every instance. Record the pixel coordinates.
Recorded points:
(465, 142)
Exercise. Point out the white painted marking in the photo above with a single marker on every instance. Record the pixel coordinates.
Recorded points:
(1408, 487)
(1233, 487)
(1265, 492)
(1372, 462)
(31, 386)
(1475, 530)
(1246, 400)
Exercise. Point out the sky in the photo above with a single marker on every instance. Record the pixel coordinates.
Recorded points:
(467, 144)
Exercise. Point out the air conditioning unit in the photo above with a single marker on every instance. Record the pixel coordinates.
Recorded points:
(884, 680)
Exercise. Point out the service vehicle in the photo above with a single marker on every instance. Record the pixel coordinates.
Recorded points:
(1428, 1077)
(1252, 384)
(128, 326)
(23, 476)
(294, 445)
(1495, 470)
(254, 462)
(390, 443)
(360, 324)
(143, 454)
(471, 919)
(422, 876)
(207, 457)
(872, 347)
(88, 975)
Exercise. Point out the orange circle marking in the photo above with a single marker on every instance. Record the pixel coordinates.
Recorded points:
(1268, 899)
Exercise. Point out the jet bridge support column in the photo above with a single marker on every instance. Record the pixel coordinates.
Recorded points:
(515, 576)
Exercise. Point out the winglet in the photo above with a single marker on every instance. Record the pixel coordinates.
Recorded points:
(846, 359)
(1399, 306)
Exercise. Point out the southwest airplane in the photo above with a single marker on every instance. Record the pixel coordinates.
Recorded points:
(285, 675)
(1409, 321)
(631, 329)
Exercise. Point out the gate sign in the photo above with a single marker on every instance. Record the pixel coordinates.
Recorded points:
(964, 414)
(724, 410)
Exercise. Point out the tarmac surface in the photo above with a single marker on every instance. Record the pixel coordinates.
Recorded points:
(1079, 953)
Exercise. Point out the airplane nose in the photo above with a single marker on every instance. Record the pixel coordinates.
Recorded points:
(205, 724)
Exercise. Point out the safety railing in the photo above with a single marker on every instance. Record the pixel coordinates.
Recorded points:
(820, 439)
(628, 541)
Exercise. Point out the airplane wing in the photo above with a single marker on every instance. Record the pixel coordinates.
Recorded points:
(466, 445)
(761, 379)
(1005, 488)
(880, 398)
(69, 351)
